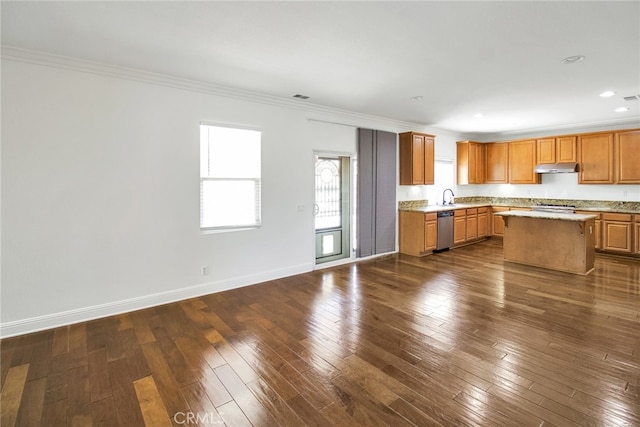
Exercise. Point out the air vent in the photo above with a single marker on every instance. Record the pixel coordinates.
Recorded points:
(632, 98)
(297, 95)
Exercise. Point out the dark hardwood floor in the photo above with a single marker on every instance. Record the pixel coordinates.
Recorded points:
(457, 338)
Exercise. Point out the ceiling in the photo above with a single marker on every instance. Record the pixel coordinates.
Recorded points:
(501, 59)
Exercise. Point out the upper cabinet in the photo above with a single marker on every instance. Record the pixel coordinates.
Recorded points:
(522, 161)
(595, 154)
(471, 161)
(497, 163)
(627, 149)
(556, 150)
(416, 158)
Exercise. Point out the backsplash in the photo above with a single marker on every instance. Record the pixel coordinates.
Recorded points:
(412, 204)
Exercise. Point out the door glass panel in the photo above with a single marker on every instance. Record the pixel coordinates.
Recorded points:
(328, 194)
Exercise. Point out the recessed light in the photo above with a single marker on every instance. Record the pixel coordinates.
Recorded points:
(478, 115)
(573, 59)
(416, 98)
(607, 93)
(621, 109)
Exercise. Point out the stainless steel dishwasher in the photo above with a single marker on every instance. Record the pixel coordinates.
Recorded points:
(445, 230)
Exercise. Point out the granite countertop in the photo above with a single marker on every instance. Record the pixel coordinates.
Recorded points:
(440, 208)
(480, 201)
(547, 215)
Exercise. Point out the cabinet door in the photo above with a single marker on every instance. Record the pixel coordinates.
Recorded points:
(459, 227)
(637, 234)
(430, 236)
(428, 160)
(497, 159)
(522, 161)
(617, 232)
(546, 150)
(627, 148)
(483, 224)
(477, 157)
(565, 150)
(595, 154)
(472, 225)
(462, 163)
(417, 159)
(617, 236)
(598, 234)
(497, 226)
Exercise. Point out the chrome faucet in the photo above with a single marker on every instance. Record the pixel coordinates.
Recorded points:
(450, 200)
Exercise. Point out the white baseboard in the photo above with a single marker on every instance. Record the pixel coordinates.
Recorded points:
(54, 320)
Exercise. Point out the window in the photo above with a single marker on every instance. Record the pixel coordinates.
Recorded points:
(229, 177)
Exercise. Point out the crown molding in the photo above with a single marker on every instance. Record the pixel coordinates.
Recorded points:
(12, 53)
(583, 127)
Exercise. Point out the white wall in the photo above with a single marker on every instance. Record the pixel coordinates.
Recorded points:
(100, 193)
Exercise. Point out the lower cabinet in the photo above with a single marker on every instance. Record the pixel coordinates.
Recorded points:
(418, 232)
(483, 222)
(472, 224)
(636, 236)
(430, 231)
(617, 232)
(598, 230)
(497, 222)
(459, 227)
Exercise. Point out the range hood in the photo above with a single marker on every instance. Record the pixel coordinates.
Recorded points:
(556, 168)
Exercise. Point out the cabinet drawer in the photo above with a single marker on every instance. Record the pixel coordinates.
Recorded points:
(616, 217)
(430, 216)
(460, 212)
(473, 211)
(483, 210)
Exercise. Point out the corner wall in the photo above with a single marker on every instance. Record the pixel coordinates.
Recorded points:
(100, 193)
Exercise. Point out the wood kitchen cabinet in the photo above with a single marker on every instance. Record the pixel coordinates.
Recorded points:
(617, 232)
(471, 224)
(459, 226)
(522, 162)
(497, 155)
(497, 222)
(627, 157)
(418, 232)
(470, 162)
(561, 149)
(483, 222)
(416, 158)
(598, 225)
(636, 227)
(595, 155)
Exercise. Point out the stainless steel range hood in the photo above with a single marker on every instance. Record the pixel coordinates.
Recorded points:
(556, 168)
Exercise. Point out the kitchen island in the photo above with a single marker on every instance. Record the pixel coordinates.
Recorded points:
(557, 241)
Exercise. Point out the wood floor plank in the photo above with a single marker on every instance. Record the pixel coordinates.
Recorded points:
(32, 402)
(11, 394)
(153, 410)
(455, 338)
(125, 399)
(201, 408)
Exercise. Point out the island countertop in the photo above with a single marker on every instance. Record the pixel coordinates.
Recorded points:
(547, 215)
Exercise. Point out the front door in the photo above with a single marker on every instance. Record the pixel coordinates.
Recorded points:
(332, 208)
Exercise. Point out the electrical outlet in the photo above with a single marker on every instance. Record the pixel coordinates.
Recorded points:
(204, 270)
(625, 194)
